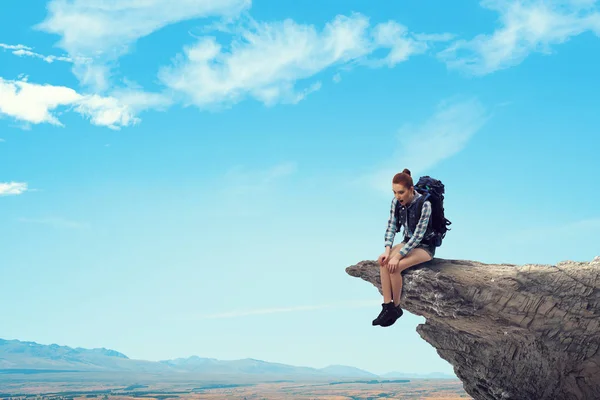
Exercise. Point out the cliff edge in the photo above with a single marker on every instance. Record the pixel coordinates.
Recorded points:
(510, 331)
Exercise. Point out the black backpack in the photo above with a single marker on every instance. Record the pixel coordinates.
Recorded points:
(433, 190)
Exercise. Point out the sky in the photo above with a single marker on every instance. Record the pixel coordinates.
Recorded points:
(193, 177)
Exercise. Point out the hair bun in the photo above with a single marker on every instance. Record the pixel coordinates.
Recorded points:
(406, 171)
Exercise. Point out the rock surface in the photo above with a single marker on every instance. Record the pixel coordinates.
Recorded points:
(510, 331)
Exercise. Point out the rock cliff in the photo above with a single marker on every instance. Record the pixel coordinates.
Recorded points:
(510, 331)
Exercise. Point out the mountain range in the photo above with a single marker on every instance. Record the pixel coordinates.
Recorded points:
(18, 355)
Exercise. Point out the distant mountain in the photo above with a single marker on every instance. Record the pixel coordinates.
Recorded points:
(38, 350)
(245, 366)
(19, 355)
(15, 354)
(349, 372)
(252, 366)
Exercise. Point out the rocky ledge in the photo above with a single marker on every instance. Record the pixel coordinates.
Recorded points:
(510, 331)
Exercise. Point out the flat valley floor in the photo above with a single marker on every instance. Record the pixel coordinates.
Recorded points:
(189, 386)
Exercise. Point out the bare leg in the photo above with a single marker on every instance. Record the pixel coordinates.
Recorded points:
(384, 274)
(416, 256)
(386, 284)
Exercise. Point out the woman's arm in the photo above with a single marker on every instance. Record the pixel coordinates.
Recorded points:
(390, 232)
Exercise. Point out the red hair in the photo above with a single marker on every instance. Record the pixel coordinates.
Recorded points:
(403, 178)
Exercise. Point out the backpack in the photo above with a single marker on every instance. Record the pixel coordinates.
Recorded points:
(433, 190)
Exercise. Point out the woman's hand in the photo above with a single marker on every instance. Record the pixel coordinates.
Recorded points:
(384, 257)
(393, 262)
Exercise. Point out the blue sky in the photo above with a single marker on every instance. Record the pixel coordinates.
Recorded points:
(184, 178)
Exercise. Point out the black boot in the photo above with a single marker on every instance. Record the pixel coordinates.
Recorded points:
(382, 314)
(392, 314)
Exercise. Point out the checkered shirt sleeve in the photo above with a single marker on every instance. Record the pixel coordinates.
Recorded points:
(390, 232)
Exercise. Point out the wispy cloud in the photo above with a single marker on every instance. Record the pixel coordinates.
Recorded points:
(526, 27)
(35, 103)
(395, 37)
(420, 147)
(435, 37)
(25, 51)
(103, 31)
(14, 47)
(280, 310)
(12, 188)
(56, 222)
(260, 63)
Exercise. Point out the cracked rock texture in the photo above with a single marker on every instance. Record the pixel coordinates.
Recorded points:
(510, 331)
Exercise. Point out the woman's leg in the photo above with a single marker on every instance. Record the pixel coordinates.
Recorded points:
(384, 274)
(386, 287)
(386, 284)
(416, 256)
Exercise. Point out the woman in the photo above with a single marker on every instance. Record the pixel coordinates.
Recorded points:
(415, 248)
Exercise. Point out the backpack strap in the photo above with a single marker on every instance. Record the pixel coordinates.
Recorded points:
(397, 216)
(421, 200)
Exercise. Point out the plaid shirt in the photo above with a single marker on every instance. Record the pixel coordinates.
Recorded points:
(414, 239)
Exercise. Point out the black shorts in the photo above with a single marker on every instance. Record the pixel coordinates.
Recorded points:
(430, 249)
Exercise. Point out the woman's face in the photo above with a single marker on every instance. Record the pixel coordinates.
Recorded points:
(402, 194)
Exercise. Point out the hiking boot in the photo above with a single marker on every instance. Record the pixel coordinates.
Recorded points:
(392, 314)
(382, 314)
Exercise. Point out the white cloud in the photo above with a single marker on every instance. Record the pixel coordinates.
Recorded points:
(12, 188)
(36, 104)
(48, 59)
(25, 51)
(137, 100)
(421, 147)
(265, 60)
(106, 111)
(394, 36)
(526, 26)
(434, 37)
(14, 46)
(103, 30)
(56, 222)
(33, 103)
(278, 310)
